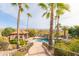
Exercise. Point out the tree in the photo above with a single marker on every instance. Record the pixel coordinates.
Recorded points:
(61, 8)
(74, 31)
(32, 32)
(7, 31)
(65, 29)
(18, 18)
(49, 12)
(29, 15)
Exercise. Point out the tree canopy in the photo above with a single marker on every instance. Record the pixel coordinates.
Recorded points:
(7, 31)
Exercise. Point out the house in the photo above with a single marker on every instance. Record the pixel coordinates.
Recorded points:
(22, 34)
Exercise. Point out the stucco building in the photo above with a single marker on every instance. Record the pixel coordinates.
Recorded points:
(22, 35)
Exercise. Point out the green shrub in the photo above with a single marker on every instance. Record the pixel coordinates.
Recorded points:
(13, 41)
(21, 42)
(74, 45)
(61, 52)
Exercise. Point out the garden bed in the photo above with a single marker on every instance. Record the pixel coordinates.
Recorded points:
(22, 51)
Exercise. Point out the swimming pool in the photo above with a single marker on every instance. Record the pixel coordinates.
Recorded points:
(40, 40)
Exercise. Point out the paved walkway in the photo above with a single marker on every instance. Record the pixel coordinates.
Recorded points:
(37, 50)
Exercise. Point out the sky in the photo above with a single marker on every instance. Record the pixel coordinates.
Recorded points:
(8, 16)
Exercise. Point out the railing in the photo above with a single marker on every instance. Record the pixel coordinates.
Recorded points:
(61, 52)
(12, 52)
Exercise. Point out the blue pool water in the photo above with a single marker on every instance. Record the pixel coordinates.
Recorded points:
(41, 40)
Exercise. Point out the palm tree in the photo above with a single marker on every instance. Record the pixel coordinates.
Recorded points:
(65, 30)
(29, 15)
(61, 8)
(49, 12)
(18, 18)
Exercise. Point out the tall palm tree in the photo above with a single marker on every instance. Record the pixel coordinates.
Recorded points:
(61, 8)
(49, 12)
(29, 15)
(18, 18)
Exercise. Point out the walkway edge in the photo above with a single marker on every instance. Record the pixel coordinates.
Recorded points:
(46, 50)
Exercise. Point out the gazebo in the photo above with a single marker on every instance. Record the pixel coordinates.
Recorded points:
(22, 35)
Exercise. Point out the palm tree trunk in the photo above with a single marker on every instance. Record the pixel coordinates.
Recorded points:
(58, 26)
(27, 23)
(18, 22)
(51, 27)
(27, 26)
(64, 34)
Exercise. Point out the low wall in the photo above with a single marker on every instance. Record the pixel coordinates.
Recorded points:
(45, 46)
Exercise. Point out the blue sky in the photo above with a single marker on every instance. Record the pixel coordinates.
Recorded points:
(8, 16)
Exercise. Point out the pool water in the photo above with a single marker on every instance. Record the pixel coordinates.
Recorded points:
(41, 40)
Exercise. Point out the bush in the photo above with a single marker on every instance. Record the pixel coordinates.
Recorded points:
(21, 42)
(13, 41)
(61, 48)
(32, 33)
(74, 31)
(4, 45)
(74, 45)
(61, 52)
(4, 39)
(23, 51)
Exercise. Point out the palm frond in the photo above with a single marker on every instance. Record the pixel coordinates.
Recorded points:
(22, 10)
(14, 4)
(43, 6)
(60, 12)
(48, 15)
(63, 6)
(44, 14)
(26, 6)
(29, 14)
